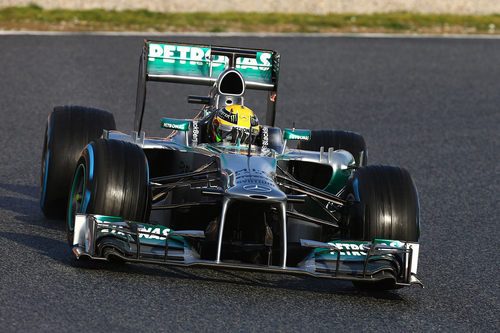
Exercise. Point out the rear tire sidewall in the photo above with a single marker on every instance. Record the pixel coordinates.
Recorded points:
(69, 129)
(352, 142)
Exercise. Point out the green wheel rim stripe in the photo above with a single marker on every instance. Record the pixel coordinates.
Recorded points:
(80, 169)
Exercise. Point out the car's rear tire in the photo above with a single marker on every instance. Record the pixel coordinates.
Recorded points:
(69, 129)
(111, 179)
(385, 206)
(349, 141)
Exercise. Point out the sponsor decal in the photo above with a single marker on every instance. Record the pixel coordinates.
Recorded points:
(354, 249)
(196, 131)
(257, 188)
(152, 233)
(175, 124)
(183, 54)
(296, 134)
(348, 249)
(244, 176)
(265, 139)
(144, 232)
(169, 53)
(293, 136)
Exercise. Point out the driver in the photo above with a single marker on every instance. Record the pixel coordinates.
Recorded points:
(232, 124)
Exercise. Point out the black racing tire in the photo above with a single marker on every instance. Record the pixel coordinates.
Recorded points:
(384, 205)
(69, 129)
(349, 141)
(111, 178)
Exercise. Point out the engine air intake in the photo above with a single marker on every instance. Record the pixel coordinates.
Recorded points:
(231, 83)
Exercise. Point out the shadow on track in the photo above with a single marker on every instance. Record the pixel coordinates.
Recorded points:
(239, 278)
(27, 206)
(48, 247)
(24, 207)
(28, 190)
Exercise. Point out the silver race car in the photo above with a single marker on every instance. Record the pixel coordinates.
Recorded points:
(224, 189)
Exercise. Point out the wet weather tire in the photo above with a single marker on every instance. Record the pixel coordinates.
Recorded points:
(350, 141)
(111, 179)
(69, 129)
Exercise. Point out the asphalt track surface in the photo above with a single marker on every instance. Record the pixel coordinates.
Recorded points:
(430, 105)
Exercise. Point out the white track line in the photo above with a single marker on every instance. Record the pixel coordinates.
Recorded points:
(241, 34)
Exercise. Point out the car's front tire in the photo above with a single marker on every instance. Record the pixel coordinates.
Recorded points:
(384, 205)
(111, 178)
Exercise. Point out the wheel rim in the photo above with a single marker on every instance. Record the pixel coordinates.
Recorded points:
(45, 169)
(76, 198)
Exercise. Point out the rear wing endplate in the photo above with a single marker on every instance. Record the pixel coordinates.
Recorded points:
(201, 64)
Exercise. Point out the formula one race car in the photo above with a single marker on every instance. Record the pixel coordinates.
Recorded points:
(223, 189)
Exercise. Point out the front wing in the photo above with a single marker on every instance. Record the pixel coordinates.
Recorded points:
(106, 237)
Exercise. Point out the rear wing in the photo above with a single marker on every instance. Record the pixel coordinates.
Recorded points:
(201, 64)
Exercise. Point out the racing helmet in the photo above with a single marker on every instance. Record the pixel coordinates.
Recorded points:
(234, 124)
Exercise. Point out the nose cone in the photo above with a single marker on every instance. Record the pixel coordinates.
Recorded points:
(251, 178)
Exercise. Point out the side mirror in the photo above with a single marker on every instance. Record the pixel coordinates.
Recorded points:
(175, 124)
(295, 134)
